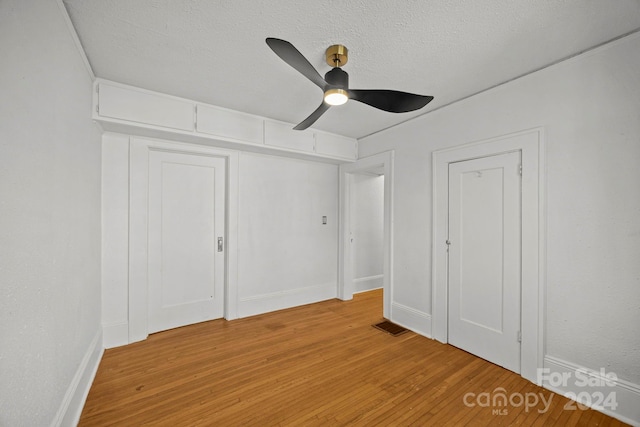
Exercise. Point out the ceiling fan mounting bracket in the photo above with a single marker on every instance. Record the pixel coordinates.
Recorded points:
(337, 55)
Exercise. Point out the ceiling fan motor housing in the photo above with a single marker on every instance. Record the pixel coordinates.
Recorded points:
(336, 78)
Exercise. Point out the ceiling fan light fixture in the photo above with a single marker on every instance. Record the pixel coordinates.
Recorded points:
(336, 96)
(335, 84)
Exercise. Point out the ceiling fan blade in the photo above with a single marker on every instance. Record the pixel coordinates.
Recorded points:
(289, 54)
(390, 100)
(313, 117)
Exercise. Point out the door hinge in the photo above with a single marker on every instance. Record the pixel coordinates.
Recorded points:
(519, 336)
(220, 244)
(97, 108)
(520, 169)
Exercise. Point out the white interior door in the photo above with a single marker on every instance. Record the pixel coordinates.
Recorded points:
(185, 239)
(485, 258)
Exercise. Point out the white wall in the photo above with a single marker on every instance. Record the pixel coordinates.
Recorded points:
(50, 332)
(589, 107)
(286, 256)
(367, 214)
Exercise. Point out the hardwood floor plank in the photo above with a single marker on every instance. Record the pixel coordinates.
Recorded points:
(316, 365)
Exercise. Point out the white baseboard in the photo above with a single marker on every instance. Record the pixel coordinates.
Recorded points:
(410, 318)
(579, 383)
(364, 284)
(77, 392)
(115, 334)
(264, 303)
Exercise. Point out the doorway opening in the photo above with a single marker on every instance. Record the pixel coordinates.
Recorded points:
(367, 230)
(365, 250)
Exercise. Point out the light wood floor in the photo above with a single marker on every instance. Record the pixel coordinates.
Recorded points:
(321, 364)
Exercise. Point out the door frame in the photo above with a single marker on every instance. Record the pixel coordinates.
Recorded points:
(382, 161)
(139, 149)
(531, 144)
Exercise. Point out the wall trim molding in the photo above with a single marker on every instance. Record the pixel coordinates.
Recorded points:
(76, 39)
(415, 320)
(73, 401)
(369, 283)
(627, 394)
(367, 278)
(115, 334)
(273, 301)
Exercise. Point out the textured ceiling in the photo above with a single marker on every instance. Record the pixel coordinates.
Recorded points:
(214, 51)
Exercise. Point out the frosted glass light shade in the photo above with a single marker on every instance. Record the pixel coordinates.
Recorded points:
(336, 96)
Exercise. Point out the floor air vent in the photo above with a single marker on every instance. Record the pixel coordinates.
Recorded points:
(390, 328)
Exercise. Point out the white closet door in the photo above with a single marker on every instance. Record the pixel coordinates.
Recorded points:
(485, 258)
(185, 254)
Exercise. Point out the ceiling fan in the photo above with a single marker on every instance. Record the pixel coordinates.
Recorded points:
(335, 83)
